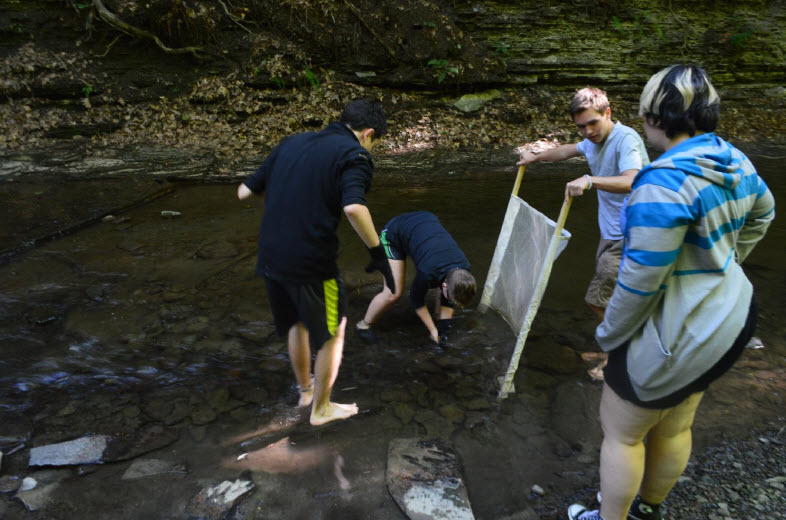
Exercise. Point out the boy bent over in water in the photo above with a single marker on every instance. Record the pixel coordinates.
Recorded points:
(439, 263)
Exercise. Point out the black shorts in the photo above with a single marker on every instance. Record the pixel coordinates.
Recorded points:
(319, 306)
(393, 250)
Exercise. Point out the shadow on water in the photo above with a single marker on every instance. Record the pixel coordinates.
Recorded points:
(155, 330)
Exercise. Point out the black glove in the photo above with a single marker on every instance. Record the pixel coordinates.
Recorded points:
(443, 327)
(379, 262)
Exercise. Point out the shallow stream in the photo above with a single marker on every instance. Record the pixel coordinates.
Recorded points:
(155, 330)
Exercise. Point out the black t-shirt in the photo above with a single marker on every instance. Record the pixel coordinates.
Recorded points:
(308, 179)
(421, 236)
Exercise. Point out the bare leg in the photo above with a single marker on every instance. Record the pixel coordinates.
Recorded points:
(325, 372)
(300, 358)
(385, 299)
(668, 451)
(600, 312)
(622, 453)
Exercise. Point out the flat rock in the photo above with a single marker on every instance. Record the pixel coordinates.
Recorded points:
(148, 467)
(36, 490)
(135, 444)
(424, 478)
(85, 450)
(214, 502)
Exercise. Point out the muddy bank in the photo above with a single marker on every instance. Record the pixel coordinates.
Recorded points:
(266, 73)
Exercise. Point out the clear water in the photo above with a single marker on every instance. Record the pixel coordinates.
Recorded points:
(156, 331)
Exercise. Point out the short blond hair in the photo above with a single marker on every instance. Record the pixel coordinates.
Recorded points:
(589, 98)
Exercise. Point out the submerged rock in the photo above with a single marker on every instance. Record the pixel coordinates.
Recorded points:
(213, 503)
(424, 478)
(149, 467)
(36, 489)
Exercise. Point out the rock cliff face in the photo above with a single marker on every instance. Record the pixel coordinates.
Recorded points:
(620, 42)
(262, 69)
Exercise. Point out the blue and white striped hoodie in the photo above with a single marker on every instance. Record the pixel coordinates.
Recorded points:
(681, 298)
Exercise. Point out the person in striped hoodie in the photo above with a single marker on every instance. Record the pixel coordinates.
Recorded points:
(683, 309)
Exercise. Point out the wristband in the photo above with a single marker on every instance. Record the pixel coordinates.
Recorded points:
(590, 181)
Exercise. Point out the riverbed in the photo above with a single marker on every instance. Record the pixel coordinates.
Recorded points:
(129, 308)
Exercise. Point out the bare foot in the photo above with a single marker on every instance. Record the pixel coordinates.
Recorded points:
(333, 412)
(306, 394)
(597, 372)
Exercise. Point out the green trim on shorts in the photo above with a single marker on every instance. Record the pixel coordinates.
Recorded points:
(383, 238)
(330, 287)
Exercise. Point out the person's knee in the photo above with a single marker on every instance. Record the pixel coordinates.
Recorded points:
(392, 298)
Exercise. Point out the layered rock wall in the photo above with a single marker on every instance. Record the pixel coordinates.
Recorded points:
(620, 42)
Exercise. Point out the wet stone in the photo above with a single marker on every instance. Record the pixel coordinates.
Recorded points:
(473, 419)
(273, 364)
(204, 415)
(138, 443)
(148, 467)
(486, 432)
(215, 502)
(452, 413)
(395, 395)
(466, 390)
(85, 450)
(424, 478)
(450, 362)
(95, 292)
(255, 331)
(218, 249)
(249, 394)
(553, 359)
(36, 489)
(43, 314)
(135, 248)
(159, 408)
(477, 404)
(217, 398)
(435, 425)
(429, 367)
(193, 326)
(180, 410)
(9, 483)
(439, 399)
(404, 412)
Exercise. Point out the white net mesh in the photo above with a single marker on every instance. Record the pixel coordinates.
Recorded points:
(520, 261)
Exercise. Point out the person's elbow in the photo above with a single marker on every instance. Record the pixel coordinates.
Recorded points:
(243, 192)
(354, 210)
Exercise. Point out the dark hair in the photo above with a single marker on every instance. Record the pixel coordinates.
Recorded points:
(460, 285)
(588, 98)
(680, 99)
(365, 113)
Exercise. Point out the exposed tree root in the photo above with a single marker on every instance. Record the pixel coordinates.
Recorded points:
(367, 26)
(109, 17)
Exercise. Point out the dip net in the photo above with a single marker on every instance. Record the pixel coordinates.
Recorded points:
(527, 246)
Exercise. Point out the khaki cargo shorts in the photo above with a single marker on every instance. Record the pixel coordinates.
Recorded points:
(607, 266)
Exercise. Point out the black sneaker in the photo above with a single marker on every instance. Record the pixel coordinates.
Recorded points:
(640, 510)
(367, 335)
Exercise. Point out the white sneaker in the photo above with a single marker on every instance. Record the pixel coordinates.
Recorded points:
(579, 512)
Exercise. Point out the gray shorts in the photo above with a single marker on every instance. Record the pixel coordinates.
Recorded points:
(607, 266)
